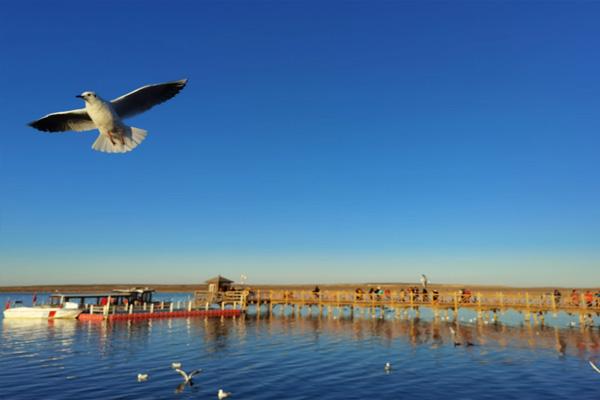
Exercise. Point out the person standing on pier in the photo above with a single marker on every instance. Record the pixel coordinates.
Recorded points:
(574, 297)
(424, 281)
(589, 298)
(316, 291)
(557, 296)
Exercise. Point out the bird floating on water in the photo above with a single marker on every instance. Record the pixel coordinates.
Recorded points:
(387, 367)
(221, 394)
(142, 377)
(188, 377)
(107, 116)
(176, 365)
(593, 366)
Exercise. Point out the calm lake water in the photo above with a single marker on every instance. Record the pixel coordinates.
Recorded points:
(284, 357)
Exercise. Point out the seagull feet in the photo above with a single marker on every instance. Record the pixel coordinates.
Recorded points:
(110, 136)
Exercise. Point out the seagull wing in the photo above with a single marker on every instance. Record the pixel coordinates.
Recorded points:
(182, 373)
(595, 368)
(73, 120)
(146, 97)
(194, 372)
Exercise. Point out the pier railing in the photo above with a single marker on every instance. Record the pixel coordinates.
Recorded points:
(447, 299)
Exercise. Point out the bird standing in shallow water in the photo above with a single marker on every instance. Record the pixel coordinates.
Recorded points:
(107, 116)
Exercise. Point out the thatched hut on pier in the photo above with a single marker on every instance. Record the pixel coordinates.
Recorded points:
(219, 284)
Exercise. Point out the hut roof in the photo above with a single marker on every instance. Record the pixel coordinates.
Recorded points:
(219, 280)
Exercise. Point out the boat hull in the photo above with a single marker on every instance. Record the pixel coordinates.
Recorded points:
(40, 313)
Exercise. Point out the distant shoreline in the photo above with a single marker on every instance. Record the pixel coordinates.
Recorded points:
(190, 288)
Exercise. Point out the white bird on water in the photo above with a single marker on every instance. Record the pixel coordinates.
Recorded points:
(176, 365)
(221, 394)
(107, 116)
(142, 377)
(188, 377)
(388, 367)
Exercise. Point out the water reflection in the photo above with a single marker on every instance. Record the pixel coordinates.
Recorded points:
(217, 334)
(437, 333)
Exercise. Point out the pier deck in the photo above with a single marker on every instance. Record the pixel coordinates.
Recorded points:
(534, 306)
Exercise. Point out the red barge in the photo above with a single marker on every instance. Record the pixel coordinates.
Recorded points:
(136, 304)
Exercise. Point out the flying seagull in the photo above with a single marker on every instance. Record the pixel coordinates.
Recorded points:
(107, 116)
(188, 377)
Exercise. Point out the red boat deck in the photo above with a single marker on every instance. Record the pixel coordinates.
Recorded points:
(159, 314)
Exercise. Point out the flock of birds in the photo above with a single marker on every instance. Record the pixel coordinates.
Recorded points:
(187, 379)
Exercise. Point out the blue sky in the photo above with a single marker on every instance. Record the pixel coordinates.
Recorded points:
(338, 142)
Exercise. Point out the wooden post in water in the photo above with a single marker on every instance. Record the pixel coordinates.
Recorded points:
(320, 303)
(528, 314)
(372, 303)
(258, 303)
(455, 305)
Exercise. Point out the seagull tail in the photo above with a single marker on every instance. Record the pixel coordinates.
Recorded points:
(132, 138)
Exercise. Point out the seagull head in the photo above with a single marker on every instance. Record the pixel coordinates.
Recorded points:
(87, 96)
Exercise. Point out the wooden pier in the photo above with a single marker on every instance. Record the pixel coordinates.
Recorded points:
(446, 303)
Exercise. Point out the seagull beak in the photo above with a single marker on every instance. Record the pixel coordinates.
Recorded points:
(79, 96)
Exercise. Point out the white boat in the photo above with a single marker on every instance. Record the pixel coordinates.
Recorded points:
(53, 310)
(70, 305)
